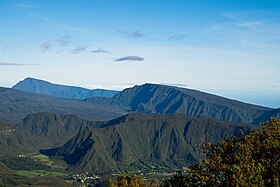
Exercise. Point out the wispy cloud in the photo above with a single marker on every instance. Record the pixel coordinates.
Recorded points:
(251, 24)
(177, 37)
(134, 34)
(230, 15)
(254, 31)
(24, 5)
(6, 47)
(79, 49)
(99, 51)
(176, 84)
(64, 40)
(72, 28)
(15, 64)
(46, 46)
(130, 58)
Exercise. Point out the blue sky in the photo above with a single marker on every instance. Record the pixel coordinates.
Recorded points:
(229, 48)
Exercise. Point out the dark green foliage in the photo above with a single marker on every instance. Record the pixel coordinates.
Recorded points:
(22, 163)
(177, 180)
(16, 180)
(128, 181)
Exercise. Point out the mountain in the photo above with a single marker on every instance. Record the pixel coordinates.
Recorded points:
(16, 141)
(266, 116)
(16, 105)
(52, 130)
(162, 99)
(41, 130)
(55, 90)
(138, 141)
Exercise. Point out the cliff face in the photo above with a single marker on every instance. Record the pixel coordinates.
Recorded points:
(152, 98)
(55, 90)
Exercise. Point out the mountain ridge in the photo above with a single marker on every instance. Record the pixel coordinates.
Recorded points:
(16, 105)
(63, 91)
(41, 130)
(154, 98)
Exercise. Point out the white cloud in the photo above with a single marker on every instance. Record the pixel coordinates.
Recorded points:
(24, 5)
(251, 24)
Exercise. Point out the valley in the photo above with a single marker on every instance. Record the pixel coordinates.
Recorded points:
(150, 130)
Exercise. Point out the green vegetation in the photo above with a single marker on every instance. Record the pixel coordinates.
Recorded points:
(16, 180)
(22, 163)
(43, 158)
(31, 170)
(128, 181)
(54, 164)
(249, 160)
(146, 142)
(34, 173)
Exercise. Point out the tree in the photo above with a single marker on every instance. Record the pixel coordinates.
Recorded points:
(248, 160)
(128, 181)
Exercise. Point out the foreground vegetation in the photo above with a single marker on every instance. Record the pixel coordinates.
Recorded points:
(248, 160)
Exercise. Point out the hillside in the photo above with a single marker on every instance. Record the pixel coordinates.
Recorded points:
(16, 105)
(16, 141)
(266, 116)
(62, 91)
(52, 130)
(153, 98)
(139, 141)
(41, 130)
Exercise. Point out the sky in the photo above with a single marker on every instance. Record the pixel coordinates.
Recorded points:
(225, 47)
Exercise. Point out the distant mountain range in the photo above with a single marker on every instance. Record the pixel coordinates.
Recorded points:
(147, 98)
(162, 99)
(62, 91)
(16, 105)
(143, 140)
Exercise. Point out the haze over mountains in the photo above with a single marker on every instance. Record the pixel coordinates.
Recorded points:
(15, 105)
(56, 90)
(103, 134)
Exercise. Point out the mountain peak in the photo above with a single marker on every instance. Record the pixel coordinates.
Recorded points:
(163, 99)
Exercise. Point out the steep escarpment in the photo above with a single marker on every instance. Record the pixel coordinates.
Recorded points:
(62, 91)
(153, 98)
